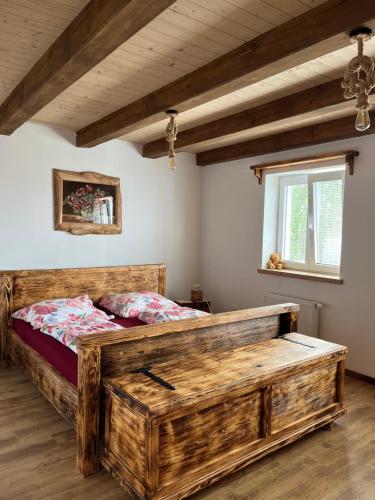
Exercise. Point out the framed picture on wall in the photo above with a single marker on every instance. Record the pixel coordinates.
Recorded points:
(87, 202)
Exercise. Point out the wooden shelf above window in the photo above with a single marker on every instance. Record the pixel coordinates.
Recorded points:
(304, 275)
(348, 156)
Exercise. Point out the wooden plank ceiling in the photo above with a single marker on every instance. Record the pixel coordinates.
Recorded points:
(177, 39)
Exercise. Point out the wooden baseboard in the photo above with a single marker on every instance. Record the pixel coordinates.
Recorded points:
(360, 376)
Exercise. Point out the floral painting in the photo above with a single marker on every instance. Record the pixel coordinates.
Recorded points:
(87, 202)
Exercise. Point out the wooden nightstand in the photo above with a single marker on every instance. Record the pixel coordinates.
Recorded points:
(200, 305)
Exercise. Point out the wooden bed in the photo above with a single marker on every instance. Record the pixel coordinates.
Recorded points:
(106, 355)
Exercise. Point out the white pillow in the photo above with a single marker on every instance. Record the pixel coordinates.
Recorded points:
(130, 305)
(55, 311)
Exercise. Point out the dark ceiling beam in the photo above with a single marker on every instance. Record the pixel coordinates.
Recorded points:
(99, 29)
(267, 54)
(334, 130)
(315, 98)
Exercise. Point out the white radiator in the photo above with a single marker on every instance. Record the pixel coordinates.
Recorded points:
(308, 318)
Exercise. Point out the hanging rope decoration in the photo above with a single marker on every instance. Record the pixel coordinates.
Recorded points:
(171, 136)
(359, 78)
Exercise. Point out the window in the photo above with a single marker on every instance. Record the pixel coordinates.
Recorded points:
(309, 228)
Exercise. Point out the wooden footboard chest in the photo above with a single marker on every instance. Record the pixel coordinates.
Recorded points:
(178, 426)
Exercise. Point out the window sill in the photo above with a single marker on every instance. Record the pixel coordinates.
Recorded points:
(289, 273)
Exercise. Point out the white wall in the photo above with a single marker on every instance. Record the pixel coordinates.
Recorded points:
(161, 209)
(162, 214)
(232, 214)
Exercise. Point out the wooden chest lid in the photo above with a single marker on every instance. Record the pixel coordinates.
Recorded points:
(207, 375)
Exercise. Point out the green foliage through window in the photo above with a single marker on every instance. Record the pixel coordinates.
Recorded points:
(296, 222)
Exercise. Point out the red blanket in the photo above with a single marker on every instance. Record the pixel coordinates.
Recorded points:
(63, 359)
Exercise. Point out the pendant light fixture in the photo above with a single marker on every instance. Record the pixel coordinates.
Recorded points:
(171, 136)
(359, 78)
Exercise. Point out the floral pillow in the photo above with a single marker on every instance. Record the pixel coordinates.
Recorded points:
(67, 332)
(130, 305)
(50, 312)
(164, 315)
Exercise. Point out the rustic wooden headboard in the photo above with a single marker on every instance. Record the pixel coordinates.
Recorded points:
(28, 287)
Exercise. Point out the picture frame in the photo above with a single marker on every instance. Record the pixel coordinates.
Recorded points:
(87, 202)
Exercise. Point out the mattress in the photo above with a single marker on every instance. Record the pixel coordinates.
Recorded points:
(63, 359)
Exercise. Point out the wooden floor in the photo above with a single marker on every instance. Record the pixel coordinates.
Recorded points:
(37, 456)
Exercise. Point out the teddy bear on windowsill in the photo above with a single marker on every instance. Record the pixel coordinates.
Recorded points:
(274, 262)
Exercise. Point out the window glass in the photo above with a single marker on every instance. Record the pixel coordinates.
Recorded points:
(309, 219)
(295, 224)
(328, 221)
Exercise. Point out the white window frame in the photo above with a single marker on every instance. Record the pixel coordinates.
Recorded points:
(293, 179)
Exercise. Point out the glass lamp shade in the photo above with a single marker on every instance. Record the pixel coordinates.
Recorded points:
(172, 163)
(362, 122)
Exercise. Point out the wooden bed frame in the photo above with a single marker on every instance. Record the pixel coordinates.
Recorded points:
(106, 355)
